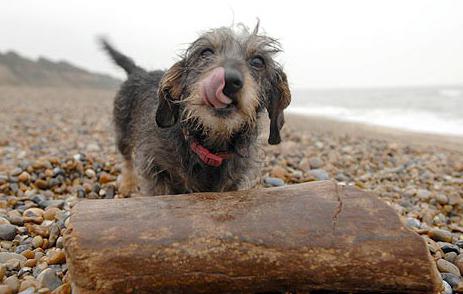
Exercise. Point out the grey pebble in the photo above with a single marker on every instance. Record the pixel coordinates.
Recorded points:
(48, 279)
(7, 232)
(447, 288)
(450, 256)
(423, 194)
(16, 220)
(413, 223)
(58, 171)
(315, 162)
(60, 242)
(22, 248)
(6, 256)
(52, 203)
(37, 198)
(29, 290)
(449, 247)
(452, 279)
(447, 267)
(273, 182)
(25, 271)
(54, 231)
(319, 174)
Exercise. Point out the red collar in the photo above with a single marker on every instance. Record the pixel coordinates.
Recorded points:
(209, 158)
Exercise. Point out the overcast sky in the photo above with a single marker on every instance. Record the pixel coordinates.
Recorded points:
(327, 43)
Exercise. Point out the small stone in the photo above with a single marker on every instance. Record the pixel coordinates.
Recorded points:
(442, 199)
(21, 248)
(30, 263)
(455, 199)
(447, 288)
(24, 177)
(54, 232)
(106, 178)
(7, 232)
(102, 193)
(93, 147)
(315, 162)
(37, 230)
(57, 257)
(279, 172)
(16, 220)
(446, 267)
(449, 247)
(12, 282)
(60, 242)
(413, 223)
(7, 256)
(459, 243)
(4, 221)
(28, 254)
(37, 198)
(16, 171)
(341, 177)
(423, 194)
(28, 290)
(41, 184)
(452, 279)
(6, 244)
(110, 192)
(63, 289)
(90, 173)
(319, 174)
(37, 241)
(459, 262)
(450, 256)
(33, 212)
(440, 235)
(50, 213)
(273, 182)
(52, 203)
(4, 289)
(305, 164)
(27, 284)
(48, 279)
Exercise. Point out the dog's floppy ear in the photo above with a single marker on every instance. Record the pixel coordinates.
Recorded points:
(170, 89)
(278, 99)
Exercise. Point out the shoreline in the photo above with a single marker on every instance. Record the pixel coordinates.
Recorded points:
(321, 124)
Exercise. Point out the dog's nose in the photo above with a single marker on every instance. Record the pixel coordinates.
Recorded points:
(233, 82)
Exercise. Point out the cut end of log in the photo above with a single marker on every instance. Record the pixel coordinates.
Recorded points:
(309, 237)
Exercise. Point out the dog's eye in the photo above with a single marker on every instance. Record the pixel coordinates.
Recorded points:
(257, 62)
(206, 53)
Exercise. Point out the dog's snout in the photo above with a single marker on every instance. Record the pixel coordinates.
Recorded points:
(233, 81)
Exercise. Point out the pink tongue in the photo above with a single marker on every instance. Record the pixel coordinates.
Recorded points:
(212, 89)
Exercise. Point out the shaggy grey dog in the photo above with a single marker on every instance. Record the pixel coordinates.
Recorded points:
(194, 127)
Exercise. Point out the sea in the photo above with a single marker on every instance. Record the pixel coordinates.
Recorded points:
(437, 110)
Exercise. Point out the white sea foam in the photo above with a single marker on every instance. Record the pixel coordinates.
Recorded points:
(421, 109)
(419, 121)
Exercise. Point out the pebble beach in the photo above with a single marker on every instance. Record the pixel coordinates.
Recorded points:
(57, 148)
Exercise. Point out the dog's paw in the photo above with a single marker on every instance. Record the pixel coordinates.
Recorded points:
(127, 185)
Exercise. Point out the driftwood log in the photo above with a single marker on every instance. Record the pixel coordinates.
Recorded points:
(306, 238)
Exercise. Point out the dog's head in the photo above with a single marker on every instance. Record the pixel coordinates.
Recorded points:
(222, 82)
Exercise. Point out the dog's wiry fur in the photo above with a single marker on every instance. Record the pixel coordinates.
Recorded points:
(157, 114)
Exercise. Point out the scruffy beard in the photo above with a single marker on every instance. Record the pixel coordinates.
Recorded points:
(218, 130)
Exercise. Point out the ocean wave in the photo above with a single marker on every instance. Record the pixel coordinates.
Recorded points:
(451, 93)
(413, 120)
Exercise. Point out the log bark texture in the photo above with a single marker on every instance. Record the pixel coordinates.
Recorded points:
(311, 237)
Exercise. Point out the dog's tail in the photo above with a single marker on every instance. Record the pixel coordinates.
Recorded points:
(120, 59)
